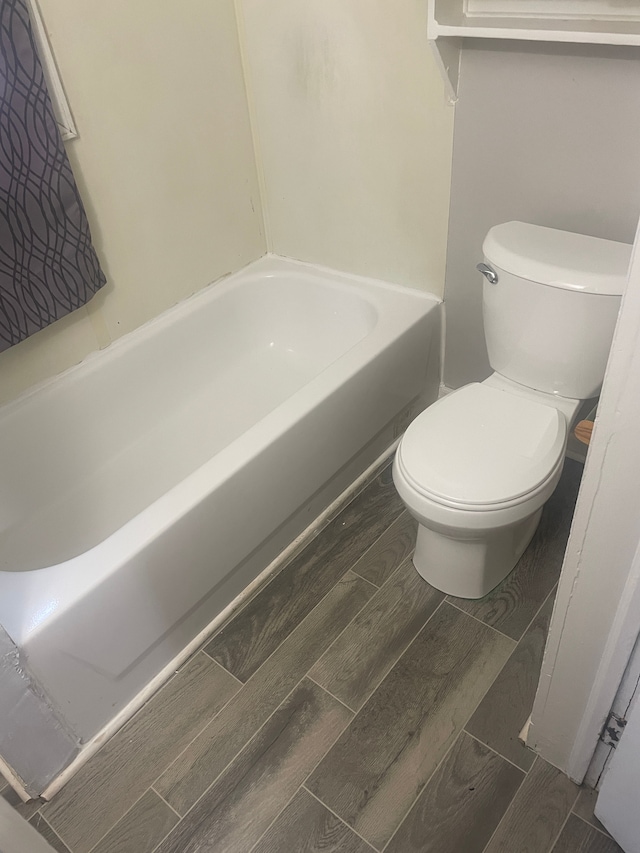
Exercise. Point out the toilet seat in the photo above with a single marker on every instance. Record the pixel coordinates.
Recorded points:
(481, 449)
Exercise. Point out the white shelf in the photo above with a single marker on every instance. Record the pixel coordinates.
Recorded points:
(449, 25)
(532, 29)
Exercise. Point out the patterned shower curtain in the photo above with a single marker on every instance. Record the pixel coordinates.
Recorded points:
(48, 266)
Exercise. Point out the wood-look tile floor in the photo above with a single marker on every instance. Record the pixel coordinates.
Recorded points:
(347, 707)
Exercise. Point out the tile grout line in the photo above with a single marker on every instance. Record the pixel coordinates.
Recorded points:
(337, 737)
(370, 583)
(499, 754)
(362, 556)
(324, 689)
(242, 748)
(295, 554)
(267, 581)
(16, 806)
(203, 651)
(463, 728)
(346, 571)
(290, 800)
(200, 731)
(43, 818)
(342, 821)
(315, 607)
(395, 661)
(486, 624)
(401, 565)
(517, 643)
(564, 822)
(509, 656)
(301, 622)
(365, 605)
(373, 544)
(165, 836)
(179, 816)
(318, 762)
(315, 767)
(168, 833)
(589, 824)
(357, 574)
(113, 825)
(334, 741)
(500, 822)
(551, 592)
(224, 669)
(419, 794)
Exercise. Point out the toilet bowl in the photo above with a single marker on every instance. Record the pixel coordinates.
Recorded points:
(476, 468)
(475, 471)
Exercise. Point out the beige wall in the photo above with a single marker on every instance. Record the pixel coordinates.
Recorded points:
(164, 161)
(548, 134)
(354, 134)
(351, 169)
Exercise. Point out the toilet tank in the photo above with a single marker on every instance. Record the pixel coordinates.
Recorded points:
(550, 316)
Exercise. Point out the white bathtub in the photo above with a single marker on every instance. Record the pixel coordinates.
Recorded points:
(145, 488)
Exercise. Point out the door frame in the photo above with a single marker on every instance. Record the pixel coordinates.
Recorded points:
(596, 617)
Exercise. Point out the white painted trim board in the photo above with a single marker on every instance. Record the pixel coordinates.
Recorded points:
(597, 611)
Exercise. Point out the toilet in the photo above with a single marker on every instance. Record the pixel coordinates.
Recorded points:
(476, 468)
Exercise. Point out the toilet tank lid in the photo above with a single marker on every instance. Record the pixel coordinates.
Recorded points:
(559, 258)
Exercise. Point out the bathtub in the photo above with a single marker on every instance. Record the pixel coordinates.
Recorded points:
(144, 489)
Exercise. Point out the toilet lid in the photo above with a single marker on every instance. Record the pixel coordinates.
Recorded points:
(482, 446)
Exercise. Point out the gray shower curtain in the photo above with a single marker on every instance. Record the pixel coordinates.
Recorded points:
(48, 266)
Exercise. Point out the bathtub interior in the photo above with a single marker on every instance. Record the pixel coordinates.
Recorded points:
(101, 444)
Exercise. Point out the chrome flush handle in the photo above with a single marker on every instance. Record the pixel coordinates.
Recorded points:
(488, 273)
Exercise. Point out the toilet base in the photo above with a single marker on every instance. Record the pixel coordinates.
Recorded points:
(472, 567)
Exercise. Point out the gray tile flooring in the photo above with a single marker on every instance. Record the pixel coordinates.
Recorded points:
(347, 707)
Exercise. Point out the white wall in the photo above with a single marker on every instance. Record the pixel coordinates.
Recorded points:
(164, 162)
(354, 134)
(596, 616)
(549, 134)
(353, 160)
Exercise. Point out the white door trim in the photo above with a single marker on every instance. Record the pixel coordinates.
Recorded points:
(617, 804)
(597, 612)
(618, 649)
(626, 695)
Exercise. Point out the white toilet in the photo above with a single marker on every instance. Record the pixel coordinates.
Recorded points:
(476, 468)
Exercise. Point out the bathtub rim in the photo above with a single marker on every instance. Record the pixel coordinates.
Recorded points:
(268, 262)
(60, 586)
